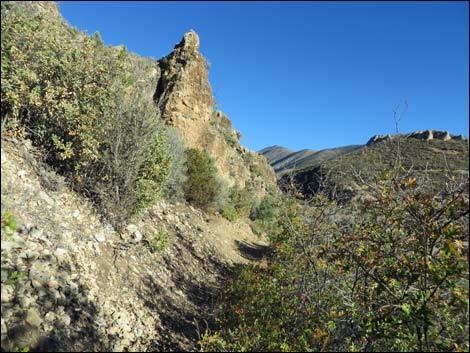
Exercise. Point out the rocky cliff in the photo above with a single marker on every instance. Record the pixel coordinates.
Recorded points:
(184, 97)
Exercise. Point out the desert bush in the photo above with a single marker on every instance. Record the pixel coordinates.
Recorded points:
(264, 215)
(241, 199)
(87, 107)
(265, 211)
(267, 311)
(229, 212)
(386, 274)
(8, 223)
(160, 240)
(408, 255)
(135, 162)
(11, 273)
(201, 187)
(56, 84)
(237, 202)
(222, 199)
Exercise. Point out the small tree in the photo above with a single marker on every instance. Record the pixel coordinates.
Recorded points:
(200, 187)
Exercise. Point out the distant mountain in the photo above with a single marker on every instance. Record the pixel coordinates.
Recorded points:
(284, 160)
(275, 153)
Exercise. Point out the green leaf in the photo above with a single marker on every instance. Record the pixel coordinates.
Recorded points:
(406, 309)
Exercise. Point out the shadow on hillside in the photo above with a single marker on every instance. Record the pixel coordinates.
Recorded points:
(182, 320)
(67, 338)
(252, 251)
(74, 327)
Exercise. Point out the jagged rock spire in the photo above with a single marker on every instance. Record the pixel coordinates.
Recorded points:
(190, 42)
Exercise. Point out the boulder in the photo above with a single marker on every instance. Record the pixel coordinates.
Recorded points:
(426, 135)
(442, 135)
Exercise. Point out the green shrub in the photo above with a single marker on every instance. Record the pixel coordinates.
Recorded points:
(265, 211)
(87, 107)
(407, 253)
(229, 212)
(201, 187)
(386, 274)
(242, 199)
(11, 274)
(236, 203)
(160, 240)
(59, 85)
(8, 223)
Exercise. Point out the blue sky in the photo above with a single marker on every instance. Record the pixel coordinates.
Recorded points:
(310, 74)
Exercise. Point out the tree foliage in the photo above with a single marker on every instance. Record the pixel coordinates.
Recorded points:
(201, 187)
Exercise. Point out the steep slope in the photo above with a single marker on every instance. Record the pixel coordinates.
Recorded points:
(291, 160)
(70, 282)
(440, 160)
(83, 287)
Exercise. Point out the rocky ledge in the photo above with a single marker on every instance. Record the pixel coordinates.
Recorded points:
(425, 135)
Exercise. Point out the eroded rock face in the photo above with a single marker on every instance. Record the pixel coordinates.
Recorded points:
(184, 97)
(190, 42)
(183, 94)
(378, 138)
(426, 135)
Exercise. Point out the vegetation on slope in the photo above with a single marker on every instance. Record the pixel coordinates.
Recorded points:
(90, 110)
(387, 274)
(437, 161)
(87, 106)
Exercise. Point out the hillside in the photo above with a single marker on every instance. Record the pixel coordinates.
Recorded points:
(275, 153)
(119, 178)
(89, 288)
(134, 220)
(434, 160)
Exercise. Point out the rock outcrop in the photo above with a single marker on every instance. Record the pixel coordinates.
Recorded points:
(426, 135)
(184, 97)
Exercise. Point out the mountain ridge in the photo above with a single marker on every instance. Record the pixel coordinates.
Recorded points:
(284, 160)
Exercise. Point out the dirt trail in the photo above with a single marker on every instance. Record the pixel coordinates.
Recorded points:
(91, 289)
(235, 242)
